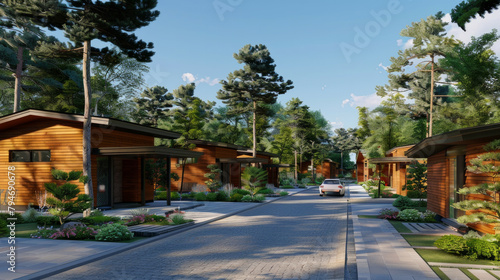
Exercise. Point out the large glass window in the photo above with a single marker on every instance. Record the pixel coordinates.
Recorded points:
(30, 156)
(187, 160)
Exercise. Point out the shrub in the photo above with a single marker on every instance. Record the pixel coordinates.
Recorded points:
(174, 196)
(96, 213)
(160, 195)
(287, 187)
(45, 221)
(410, 215)
(3, 227)
(452, 244)
(254, 179)
(18, 216)
(482, 249)
(388, 214)
(305, 181)
(114, 232)
(139, 211)
(247, 198)
(283, 193)
(178, 219)
(395, 195)
(259, 198)
(211, 196)
(429, 216)
(415, 194)
(240, 191)
(222, 196)
(402, 202)
(265, 191)
(30, 215)
(201, 196)
(44, 232)
(235, 197)
(492, 238)
(75, 233)
(471, 234)
(154, 218)
(187, 195)
(99, 220)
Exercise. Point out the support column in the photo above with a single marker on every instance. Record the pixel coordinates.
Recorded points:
(169, 189)
(143, 184)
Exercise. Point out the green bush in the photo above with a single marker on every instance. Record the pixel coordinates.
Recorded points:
(415, 194)
(283, 193)
(114, 232)
(402, 202)
(163, 196)
(259, 198)
(410, 215)
(44, 232)
(236, 197)
(482, 249)
(96, 213)
(187, 195)
(175, 196)
(19, 216)
(161, 189)
(99, 220)
(3, 227)
(211, 196)
(429, 216)
(240, 191)
(247, 198)
(45, 221)
(265, 191)
(287, 187)
(201, 196)
(178, 219)
(452, 244)
(222, 196)
(29, 216)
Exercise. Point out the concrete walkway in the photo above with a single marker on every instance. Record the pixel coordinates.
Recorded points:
(39, 258)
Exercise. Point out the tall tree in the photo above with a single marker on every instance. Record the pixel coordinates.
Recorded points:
(83, 21)
(153, 106)
(429, 44)
(345, 141)
(257, 82)
(466, 10)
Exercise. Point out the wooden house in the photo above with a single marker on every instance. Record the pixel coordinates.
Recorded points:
(34, 141)
(394, 166)
(447, 156)
(363, 171)
(232, 160)
(328, 168)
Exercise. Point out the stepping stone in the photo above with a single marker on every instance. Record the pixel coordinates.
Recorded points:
(495, 272)
(482, 274)
(454, 273)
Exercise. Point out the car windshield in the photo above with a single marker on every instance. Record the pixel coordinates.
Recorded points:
(331, 182)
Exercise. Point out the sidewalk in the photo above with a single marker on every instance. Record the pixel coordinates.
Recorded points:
(39, 258)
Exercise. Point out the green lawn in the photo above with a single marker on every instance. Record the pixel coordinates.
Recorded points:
(420, 240)
(398, 225)
(430, 255)
(367, 216)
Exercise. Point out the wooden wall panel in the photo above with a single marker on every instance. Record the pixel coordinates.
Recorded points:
(437, 184)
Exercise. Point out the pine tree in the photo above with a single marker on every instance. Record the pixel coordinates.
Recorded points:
(83, 21)
(257, 82)
(467, 10)
(152, 106)
(487, 210)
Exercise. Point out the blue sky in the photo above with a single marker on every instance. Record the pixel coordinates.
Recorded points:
(316, 44)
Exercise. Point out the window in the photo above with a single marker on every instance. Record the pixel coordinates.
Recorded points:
(188, 160)
(30, 156)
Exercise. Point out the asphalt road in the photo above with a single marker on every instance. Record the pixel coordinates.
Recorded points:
(299, 237)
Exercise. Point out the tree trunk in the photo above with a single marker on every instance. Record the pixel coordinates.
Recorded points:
(87, 122)
(182, 175)
(296, 176)
(431, 95)
(254, 127)
(17, 76)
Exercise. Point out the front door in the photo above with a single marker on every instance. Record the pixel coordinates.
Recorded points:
(456, 179)
(103, 182)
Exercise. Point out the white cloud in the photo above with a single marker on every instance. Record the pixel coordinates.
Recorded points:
(345, 102)
(370, 101)
(323, 87)
(408, 44)
(188, 77)
(382, 66)
(476, 27)
(209, 81)
(400, 42)
(337, 124)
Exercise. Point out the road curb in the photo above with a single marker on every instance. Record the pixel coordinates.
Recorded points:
(107, 253)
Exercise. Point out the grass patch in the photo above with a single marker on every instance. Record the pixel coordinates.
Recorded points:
(439, 273)
(398, 225)
(469, 274)
(420, 240)
(25, 230)
(368, 216)
(430, 255)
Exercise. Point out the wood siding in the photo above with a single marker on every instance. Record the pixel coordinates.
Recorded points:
(64, 140)
(437, 184)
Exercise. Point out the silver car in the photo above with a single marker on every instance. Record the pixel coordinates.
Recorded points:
(331, 186)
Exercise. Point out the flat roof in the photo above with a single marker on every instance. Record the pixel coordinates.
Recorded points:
(438, 143)
(238, 148)
(242, 160)
(30, 115)
(148, 151)
(393, 159)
